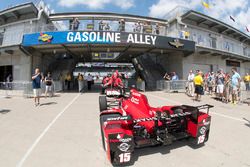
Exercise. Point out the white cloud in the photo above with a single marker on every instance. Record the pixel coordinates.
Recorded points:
(219, 9)
(97, 4)
(162, 7)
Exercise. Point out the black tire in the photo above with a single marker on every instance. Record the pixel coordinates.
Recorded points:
(103, 103)
(103, 118)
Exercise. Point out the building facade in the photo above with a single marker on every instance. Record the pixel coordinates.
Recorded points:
(168, 41)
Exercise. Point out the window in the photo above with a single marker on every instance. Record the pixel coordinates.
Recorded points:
(245, 51)
(226, 46)
(1, 38)
(200, 40)
(213, 42)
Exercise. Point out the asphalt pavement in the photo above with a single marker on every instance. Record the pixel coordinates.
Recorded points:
(64, 132)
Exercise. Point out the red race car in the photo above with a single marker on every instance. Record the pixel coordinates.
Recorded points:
(133, 123)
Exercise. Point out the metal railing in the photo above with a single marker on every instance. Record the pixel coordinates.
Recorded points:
(24, 89)
(171, 86)
(181, 85)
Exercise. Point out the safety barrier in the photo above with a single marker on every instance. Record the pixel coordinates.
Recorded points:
(8, 89)
(171, 86)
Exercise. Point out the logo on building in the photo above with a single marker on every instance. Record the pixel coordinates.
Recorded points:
(176, 43)
(45, 37)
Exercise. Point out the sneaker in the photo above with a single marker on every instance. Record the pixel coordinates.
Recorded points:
(36, 104)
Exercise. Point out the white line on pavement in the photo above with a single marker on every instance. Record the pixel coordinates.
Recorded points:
(26, 155)
(179, 103)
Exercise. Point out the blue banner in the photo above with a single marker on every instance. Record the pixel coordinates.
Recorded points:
(106, 37)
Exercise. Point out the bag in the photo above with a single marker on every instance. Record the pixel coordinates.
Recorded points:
(202, 90)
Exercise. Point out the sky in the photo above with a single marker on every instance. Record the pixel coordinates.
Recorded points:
(219, 9)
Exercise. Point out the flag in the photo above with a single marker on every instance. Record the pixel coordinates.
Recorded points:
(232, 18)
(205, 4)
(247, 28)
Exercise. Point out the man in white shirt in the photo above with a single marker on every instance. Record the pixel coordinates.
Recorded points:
(190, 83)
(90, 81)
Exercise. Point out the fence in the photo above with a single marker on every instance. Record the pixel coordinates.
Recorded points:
(171, 86)
(8, 89)
(180, 86)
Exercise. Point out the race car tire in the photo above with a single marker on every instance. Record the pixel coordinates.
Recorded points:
(103, 103)
(103, 118)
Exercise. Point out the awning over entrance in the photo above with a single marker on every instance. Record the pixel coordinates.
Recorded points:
(87, 42)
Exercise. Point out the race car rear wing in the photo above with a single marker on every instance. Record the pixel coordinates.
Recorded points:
(195, 110)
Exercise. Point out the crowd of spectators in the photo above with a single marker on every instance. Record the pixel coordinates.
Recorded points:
(138, 27)
(225, 86)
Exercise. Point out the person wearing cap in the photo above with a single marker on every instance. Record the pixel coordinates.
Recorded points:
(220, 84)
(198, 82)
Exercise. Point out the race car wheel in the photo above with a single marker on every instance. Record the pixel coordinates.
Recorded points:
(103, 118)
(103, 103)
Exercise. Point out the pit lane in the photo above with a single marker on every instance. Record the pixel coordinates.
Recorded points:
(64, 131)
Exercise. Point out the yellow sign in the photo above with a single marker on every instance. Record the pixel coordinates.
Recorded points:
(45, 37)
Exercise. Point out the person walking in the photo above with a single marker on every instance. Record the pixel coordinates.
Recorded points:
(36, 85)
(80, 82)
(89, 81)
(68, 79)
(48, 83)
(198, 82)
(191, 83)
(9, 80)
(235, 85)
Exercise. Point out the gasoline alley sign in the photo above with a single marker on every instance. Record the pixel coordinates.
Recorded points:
(104, 37)
(110, 37)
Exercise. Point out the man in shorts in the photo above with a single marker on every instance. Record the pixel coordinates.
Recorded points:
(220, 84)
(198, 83)
(235, 85)
(36, 85)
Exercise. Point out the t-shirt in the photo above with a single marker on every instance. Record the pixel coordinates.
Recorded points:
(89, 78)
(36, 83)
(220, 79)
(190, 77)
(48, 81)
(175, 78)
(198, 80)
(235, 79)
(247, 78)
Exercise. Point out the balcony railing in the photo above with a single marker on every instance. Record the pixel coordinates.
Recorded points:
(216, 42)
(202, 38)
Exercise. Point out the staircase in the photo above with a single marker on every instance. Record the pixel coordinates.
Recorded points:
(150, 70)
(62, 66)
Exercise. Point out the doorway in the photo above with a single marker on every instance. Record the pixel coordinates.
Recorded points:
(5, 71)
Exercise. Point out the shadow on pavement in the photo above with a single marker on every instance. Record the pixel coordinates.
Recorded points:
(46, 104)
(160, 149)
(247, 124)
(4, 111)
